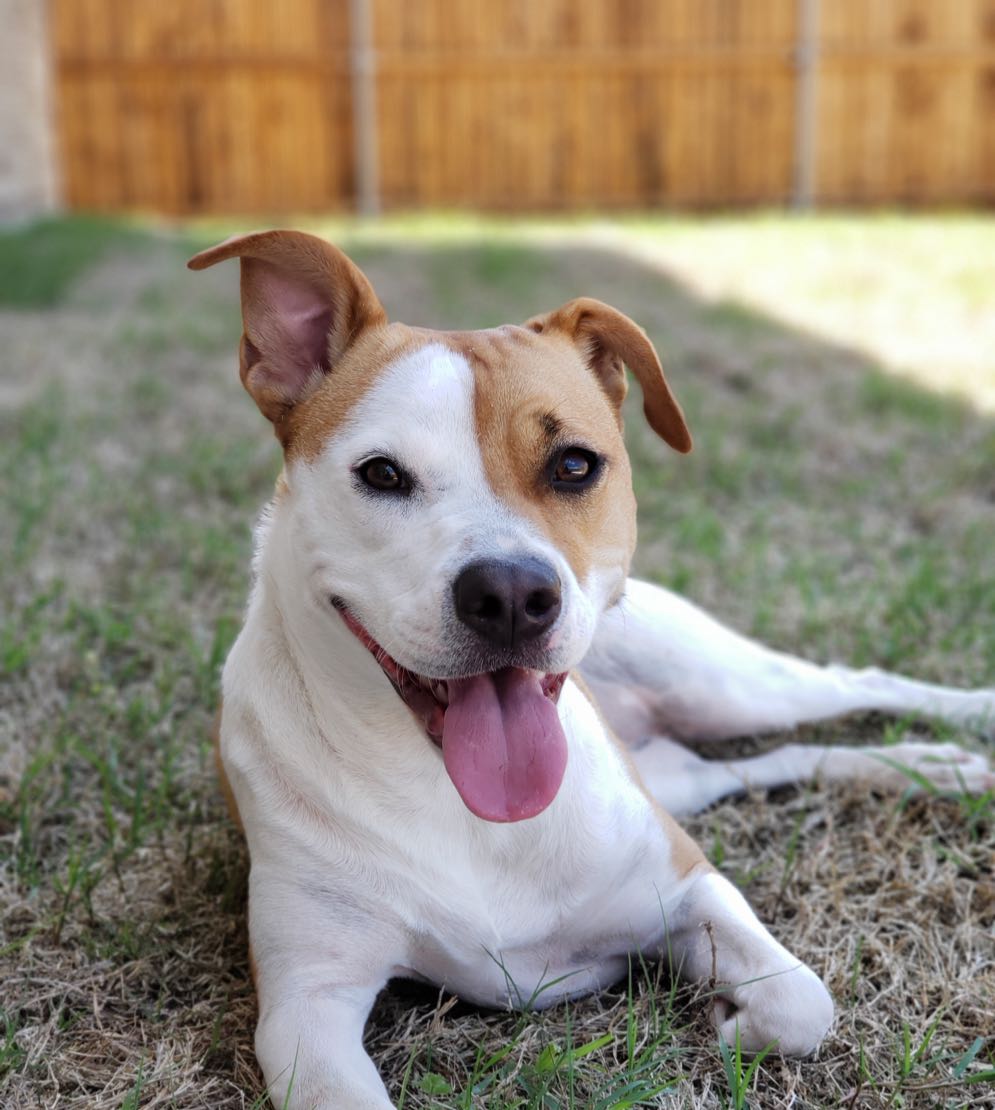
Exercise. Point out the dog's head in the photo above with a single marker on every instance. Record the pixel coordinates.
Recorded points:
(461, 500)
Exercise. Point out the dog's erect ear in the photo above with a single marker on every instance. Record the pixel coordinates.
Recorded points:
(303, 304)
(606, 339)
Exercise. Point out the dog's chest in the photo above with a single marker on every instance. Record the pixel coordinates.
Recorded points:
(523, 914)
(530, 977)
(531, 951)
(555, 919)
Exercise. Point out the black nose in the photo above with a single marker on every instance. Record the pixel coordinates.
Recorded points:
(508, 602)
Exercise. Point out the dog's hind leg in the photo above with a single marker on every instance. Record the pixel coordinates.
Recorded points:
(683, 782)
(660, 665)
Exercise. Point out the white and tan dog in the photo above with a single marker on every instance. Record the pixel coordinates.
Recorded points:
(426, 787)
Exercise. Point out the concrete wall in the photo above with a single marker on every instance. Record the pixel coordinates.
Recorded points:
(28, 182)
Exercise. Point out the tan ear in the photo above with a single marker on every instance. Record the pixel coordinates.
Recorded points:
(303, 304)
(607, 338)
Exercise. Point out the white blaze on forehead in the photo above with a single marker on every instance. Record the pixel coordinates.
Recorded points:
(421, 411)
(445, 368)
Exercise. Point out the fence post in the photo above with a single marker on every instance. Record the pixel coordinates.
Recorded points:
(806, 66)
(363, 73)
(29, 169)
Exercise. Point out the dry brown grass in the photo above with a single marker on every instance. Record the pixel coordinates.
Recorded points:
(828, 508)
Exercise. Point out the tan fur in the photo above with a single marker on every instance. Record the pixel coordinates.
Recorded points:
(608, 339)
(275, 369)
(308, 425)
(522, 379)
(226, 790)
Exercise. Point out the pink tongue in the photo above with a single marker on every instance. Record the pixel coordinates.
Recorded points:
(503, 744)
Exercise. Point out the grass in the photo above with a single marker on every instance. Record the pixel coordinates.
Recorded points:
(43, 259)
(739, 1071)
(839, 503)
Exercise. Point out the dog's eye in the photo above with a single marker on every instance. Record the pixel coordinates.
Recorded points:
(381, 474)
(574, 468)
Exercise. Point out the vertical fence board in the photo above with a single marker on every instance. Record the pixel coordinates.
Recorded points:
(245, 105)
(203, 105)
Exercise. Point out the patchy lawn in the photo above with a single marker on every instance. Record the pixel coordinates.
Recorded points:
(840, 502)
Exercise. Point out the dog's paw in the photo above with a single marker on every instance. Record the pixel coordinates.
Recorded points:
(924, 767)
(791, 1010)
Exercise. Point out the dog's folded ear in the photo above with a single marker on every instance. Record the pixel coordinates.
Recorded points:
(607, 339)
(303, 304)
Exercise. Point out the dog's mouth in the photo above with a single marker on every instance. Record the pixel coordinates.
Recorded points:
(500, 734)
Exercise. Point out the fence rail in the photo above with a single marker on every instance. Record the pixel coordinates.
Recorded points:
(251, 106)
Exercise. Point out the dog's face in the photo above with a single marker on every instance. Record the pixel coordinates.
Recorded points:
(473, 510)
(461, 500)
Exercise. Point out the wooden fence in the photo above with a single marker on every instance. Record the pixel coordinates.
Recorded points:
(189, 106)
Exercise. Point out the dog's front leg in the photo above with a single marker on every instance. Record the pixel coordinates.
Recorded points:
(317, 975)
(309, 1043)
(714, 936)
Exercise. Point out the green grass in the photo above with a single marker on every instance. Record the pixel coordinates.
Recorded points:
(542, 1062)
(839, 503)
(740, 1070)
(40, 262)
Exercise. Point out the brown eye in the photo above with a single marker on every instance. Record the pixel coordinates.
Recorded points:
(381, 474)
(574, 469)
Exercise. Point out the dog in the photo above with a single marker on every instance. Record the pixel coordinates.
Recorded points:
(450, 723)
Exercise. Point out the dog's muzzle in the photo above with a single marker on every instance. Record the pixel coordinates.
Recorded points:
(502, 742)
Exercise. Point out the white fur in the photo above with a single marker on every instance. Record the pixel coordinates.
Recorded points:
(661, 668)
(366, 863)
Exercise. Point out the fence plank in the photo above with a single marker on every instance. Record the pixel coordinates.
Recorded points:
(245, 105)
